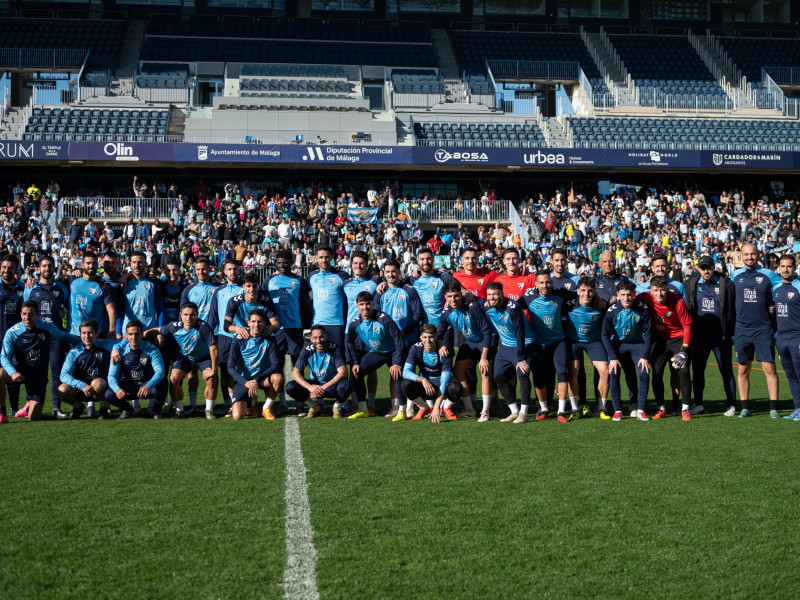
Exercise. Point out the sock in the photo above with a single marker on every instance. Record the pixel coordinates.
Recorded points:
(543, 407)
(209, 405)
(282, 397)
(192, 399)
(745, 404)
(602, 403)
(574, 402)
(514, 408)
(88, 405)
(268, 403)
(336, 405)
(409, 406)
(151, 405)
(446, 404)
(371, 399)
(362, 406)
(523, 410)
(487, 400)
(562, 406)
(773, 405)
(395, 403)
(467, 400)
(136, 406)
(429, 403)
(179, 405)
(684, 407)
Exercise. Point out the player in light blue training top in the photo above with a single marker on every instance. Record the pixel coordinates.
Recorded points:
(219, 305)
(291, 298)
(327, 295)
(140, 297)
(430, 285)
(138, 373)
(90, 298)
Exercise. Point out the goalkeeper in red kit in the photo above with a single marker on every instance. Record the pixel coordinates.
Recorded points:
(671, 333)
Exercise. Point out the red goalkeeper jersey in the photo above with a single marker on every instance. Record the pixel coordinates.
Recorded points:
(477, 282)
(671, 319)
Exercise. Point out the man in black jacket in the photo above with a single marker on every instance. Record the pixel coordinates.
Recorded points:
(711, 299)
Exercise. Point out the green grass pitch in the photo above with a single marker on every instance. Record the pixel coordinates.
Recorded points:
(590, 509)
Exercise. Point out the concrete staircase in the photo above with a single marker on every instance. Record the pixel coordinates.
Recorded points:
(129, 55)
(11, 125)
(448, 65)
(723, 69)
(177, 121)
(616, 79)
(554, 133)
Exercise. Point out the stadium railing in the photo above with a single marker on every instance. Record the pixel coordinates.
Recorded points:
(115, 208)
(40, 58)
(454, 210)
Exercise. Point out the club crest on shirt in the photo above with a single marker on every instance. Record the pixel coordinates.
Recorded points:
(668, 314)
(143, 360)
(291, 283)
(791, 295)
(402, 297)
(92, 290)
(480, 281)
(377, 329)
(41, 336)
(434, 284)
(636, 319)
(98, 355)
(554, 303)
(332, 279)
(759, 279)
(716, 290)
(147, 286)
(567, 285)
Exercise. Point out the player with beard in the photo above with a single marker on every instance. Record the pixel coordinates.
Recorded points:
(560, 277)
(219, 305)
(139, 297)
(430, 285)
(201, 293)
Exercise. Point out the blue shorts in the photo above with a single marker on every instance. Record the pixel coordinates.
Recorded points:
(760, 345)
(290, 341)
(506, 359)
(595, 351)
(240, 392)
(186, 364)
(634, 350)
(224, 347)
(473, 351)
(336, 334)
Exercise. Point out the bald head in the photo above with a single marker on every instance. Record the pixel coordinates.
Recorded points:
(750, 255)
(607, 263)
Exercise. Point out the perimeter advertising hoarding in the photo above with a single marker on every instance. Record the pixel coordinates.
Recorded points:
(355, 154)
(227, 153)
(23, 150)
(122, 151)
(732, 159)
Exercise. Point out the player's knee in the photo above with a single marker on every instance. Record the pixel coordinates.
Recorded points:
(276, 381)
(407, 387)
(175, 378)
(99, 385)
(454, 390)
(63, 391)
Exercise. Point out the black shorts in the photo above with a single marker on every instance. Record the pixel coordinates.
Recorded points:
(224, 346)
(185, 364)
(290, 341)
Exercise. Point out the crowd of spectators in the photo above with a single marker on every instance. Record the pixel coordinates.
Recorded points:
(252, 221)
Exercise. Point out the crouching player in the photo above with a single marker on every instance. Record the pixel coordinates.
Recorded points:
(478, 347)
(433, 384)
(583, 325)
(84, 375)
(626, 337)
(192, 344)
(26, 354)
(254, 364)
(379, 333)
(327, 370)
(138, 374)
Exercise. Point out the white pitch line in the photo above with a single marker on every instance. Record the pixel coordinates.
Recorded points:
(300, 576)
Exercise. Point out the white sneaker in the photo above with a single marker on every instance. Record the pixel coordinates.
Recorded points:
(484, 418)
(698, 410)
(521, 419)
(392, 413)
(731, 412)
(634, 413)
(510, 418)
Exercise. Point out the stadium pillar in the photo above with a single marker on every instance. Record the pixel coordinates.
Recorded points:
(18, 97)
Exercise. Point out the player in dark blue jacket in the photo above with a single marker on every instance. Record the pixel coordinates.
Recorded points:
(626, 337)
(52, 297)
(137, 372)
(787, 315)
(190, 344)
(755, 326)
(382, 343)
(464, 314)
(402, 304)
(515, 353)
(430, 285)
(254, 363)
(11, 292)
(25, 354)
(583, 327)
(433, 382)
(560, 277)
(172, 291)
(84, 375)
(327, 374)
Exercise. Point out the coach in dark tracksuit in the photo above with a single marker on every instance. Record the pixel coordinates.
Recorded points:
(711, 299)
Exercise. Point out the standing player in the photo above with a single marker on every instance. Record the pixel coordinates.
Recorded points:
(52, 298)
(434, 383)
(477, 350)
(136, 373)
(430, 285)
(84, 376)
(192, 345)
(24, 357)
(402, 304)
(172, 291)
(11, 297)
(471, 278)
(327, 374)
(352, 287)
(139, 297)
(626, 337)
(382, 343)
(671, 336)
(91, 298)
(787, 313)
(219, 306)
(514, 283)
(254, 364)
(754, 327)
(608, 279)
(201, 292)
(658, 266)
(583, 328)
(561, 278)
(327, 295)
(515, 353)
(711, 300)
